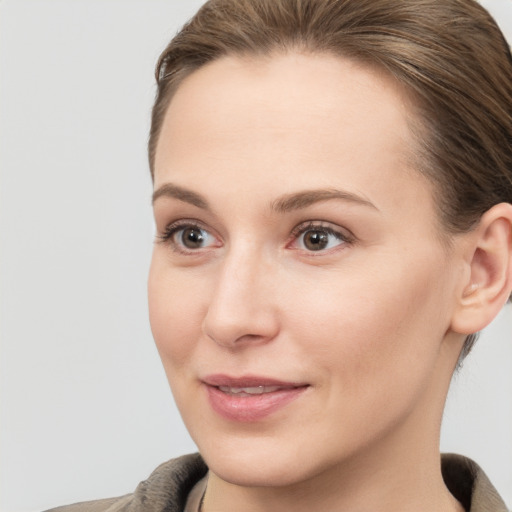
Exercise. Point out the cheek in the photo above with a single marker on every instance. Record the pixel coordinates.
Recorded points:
(386, 319)
(174, 314)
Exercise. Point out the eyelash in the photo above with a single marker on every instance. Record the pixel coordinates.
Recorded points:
(301, 229)
(172, 229)
(175, 227)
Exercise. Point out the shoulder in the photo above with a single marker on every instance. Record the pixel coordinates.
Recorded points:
(470, 485)
(166, 489)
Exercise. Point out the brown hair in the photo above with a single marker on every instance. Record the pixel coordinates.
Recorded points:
(449, 54)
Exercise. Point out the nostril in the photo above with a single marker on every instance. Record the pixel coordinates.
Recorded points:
(249, 337)
(234, 341)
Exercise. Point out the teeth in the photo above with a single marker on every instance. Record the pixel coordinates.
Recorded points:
(253, 390)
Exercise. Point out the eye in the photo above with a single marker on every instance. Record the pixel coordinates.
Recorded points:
(317, 237)
(188, 237)
(193, 237)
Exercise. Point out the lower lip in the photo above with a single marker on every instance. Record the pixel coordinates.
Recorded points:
(251, 408)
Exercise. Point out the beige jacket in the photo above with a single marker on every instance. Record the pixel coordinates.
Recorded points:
(167, 488)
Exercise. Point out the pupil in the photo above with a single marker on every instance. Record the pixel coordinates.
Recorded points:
(316, 240)
(192, 238)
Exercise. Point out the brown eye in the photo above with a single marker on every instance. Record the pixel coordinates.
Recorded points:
(193, 237)
(315, 240)
(188, 237)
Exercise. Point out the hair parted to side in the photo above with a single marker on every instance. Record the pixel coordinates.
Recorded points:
(450, 55)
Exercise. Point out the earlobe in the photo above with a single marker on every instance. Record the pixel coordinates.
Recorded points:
(489, 284)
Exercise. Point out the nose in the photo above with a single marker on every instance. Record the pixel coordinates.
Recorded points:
(242, 309)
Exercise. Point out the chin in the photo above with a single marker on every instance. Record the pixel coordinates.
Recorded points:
(262, 461)
(253, 470)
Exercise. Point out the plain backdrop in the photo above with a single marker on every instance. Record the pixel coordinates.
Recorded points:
(85, 407)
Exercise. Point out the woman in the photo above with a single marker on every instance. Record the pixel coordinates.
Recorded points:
(333, 202)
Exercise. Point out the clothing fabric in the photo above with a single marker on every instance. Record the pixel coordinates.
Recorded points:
(168, 487)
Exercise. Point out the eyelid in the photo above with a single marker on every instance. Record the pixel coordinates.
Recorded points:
(343, 234)
(174, 227)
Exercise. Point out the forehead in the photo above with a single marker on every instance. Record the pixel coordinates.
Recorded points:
(291, 118)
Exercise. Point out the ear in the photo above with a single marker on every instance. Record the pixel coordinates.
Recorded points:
(488, 283)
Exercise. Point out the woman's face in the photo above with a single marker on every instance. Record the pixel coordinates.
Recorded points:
(300, 296)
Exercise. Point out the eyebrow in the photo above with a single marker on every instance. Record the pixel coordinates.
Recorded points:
(287, 203)
(300, 200)
(182, 194)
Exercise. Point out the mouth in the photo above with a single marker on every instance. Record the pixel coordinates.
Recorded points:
(249, 391)
(249, 398)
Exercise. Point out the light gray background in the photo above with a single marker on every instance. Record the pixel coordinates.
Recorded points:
(85, 408)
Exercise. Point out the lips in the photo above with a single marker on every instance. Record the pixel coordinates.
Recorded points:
(249, 398)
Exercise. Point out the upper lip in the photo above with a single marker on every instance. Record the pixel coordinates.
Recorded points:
(246, 381)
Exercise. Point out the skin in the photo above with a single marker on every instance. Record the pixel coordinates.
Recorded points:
(366, 323)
